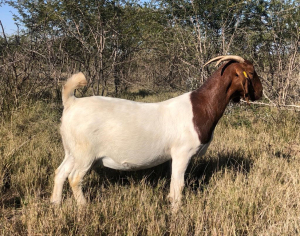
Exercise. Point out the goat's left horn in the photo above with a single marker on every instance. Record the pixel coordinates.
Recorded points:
(226, 58)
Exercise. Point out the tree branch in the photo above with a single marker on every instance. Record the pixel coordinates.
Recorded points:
(3, 33)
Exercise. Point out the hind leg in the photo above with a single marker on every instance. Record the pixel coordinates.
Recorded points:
(75, 180)
(61, 173)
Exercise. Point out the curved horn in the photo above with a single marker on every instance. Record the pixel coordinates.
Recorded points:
(225, 58)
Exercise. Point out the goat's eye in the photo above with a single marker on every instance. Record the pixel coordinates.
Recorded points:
(236, 75)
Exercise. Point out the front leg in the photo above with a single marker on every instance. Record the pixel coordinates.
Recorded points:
(179, 165)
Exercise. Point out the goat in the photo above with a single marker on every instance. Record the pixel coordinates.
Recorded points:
(128, 135)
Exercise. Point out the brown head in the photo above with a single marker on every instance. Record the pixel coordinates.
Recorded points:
(245, 81)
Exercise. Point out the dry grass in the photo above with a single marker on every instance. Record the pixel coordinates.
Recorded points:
(247, 183)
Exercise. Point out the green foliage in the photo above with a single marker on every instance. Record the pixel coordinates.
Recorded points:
(127, 45)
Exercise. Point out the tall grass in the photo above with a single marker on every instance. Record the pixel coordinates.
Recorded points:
(248, 183)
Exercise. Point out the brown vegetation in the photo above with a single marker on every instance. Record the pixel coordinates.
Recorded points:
(247, 183)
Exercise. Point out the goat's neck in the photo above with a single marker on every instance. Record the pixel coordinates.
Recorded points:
(209, 103)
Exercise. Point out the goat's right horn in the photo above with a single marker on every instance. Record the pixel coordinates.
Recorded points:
(225, 58)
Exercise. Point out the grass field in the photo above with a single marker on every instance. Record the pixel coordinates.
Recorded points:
(248, 183)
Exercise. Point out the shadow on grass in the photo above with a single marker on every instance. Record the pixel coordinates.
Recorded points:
(198, 174)
(10, 200)
(199, 171)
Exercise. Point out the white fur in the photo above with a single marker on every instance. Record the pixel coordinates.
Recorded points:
(124, 135)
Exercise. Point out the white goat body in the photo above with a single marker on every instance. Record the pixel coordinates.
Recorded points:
(128, 135)
(124, 135)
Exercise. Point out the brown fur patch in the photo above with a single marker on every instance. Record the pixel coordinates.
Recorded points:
(211, 99)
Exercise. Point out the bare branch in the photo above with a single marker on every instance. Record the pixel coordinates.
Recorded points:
(3, 32)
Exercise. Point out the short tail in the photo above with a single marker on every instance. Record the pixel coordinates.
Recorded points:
(75, 81)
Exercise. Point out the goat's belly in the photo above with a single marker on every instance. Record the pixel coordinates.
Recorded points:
(133, 164)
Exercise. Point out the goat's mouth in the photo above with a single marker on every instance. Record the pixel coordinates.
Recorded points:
(255, 92)
(259, 96)
(255, 95)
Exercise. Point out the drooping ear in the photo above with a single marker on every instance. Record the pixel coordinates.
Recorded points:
(245, 87)
(245, 84)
